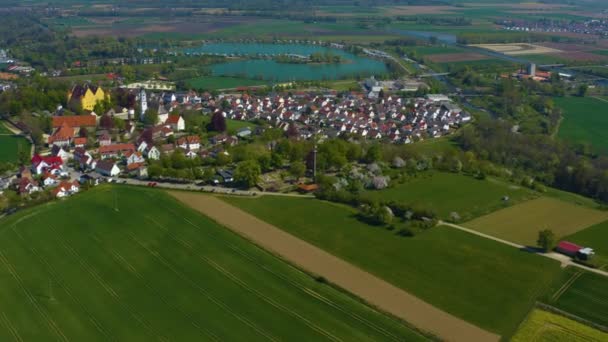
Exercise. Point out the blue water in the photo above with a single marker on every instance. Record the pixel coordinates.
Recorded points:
(270, 70)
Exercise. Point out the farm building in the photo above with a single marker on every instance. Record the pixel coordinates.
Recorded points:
(574, 250)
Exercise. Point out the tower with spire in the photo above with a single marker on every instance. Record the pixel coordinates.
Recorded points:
(143, 103)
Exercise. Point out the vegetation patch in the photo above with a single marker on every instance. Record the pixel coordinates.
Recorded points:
(215, 82)
(458, 272)
(585, 121)
(543, 326)
(583, 294)
(445, 193)
(522, 222)
(135, 264)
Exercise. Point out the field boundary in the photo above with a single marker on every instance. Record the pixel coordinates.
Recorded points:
(571, 316)
(368, 287)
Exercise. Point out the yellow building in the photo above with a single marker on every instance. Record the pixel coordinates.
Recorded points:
(86, 96)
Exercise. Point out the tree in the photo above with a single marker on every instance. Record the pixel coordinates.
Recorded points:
(582, 90)
(151, 117)
(247, 173)
(292, 131)
(218, 122)
(83, 132)
(373, 154)
(297, 169)
(546, 240)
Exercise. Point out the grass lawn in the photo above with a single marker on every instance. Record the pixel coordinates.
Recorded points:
(215, 82)
(595, 237)
(136, 265)
(463, 274)
(10, 145)
(581, 293)
(521, 223)
(543, 326)
(451, 192)
(585, 121)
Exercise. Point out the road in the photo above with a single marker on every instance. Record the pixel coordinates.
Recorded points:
(204, 188)
(563, 259)
(353, 279)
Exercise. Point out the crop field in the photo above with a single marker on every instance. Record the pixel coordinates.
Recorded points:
(543, 326)
(457, 57)
(448, 192)
(521, 223)
(585, 121)
(136, 265)
(463, 274)
(518, 49)
(215, 82)
(583, 294)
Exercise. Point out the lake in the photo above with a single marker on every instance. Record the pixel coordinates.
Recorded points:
(268, 69)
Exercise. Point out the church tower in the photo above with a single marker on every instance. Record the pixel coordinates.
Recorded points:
(143, 103)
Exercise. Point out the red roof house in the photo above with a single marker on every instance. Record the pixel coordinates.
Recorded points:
(76, 121)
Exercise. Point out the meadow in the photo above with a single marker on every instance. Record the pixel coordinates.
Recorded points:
(583, 294)
(543, 326)
(585, 121)
(11, 145)
(136, 265)
(521, 223)
(460, 273)
(595, 237)
(450, 192)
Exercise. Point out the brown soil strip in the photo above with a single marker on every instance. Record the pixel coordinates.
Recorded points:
(456, 57)
(370, 288)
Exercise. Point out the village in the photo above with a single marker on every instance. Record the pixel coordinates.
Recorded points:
(89, 148)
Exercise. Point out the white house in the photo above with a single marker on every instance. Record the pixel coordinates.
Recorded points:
(176, 122)
(153, 153)
(107, 168)
(134, 158)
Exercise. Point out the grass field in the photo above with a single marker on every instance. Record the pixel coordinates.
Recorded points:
(461, 273)
(450, 192)
(215, 82)
(585, 121)
(580, 293)
(135, 265)
(11, 145)
(543, 326)
(521, 223)
(595, 237)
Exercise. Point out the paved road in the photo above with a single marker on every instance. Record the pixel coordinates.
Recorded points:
(563, 259)
(370, 288)
(207, 188)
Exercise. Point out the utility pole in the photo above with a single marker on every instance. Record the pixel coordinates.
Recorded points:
(314, 163)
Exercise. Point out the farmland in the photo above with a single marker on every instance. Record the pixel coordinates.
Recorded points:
(482, 274)
(595, 237)
(136, 265)
(448, 192)
(521, 223)
(585, 121)
(543, 326)
(582, 294)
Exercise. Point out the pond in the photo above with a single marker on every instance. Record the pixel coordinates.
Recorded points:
(267, 69)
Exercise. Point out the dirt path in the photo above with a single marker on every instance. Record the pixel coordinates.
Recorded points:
(370, 288)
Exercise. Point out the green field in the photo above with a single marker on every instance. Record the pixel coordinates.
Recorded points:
(450, 192)
(521, 223)
(543, 326)
(136, 265)
(585, 121)
(11, 145)
(595, 237)
(583, 294)
(461, 273)
(215, 82)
